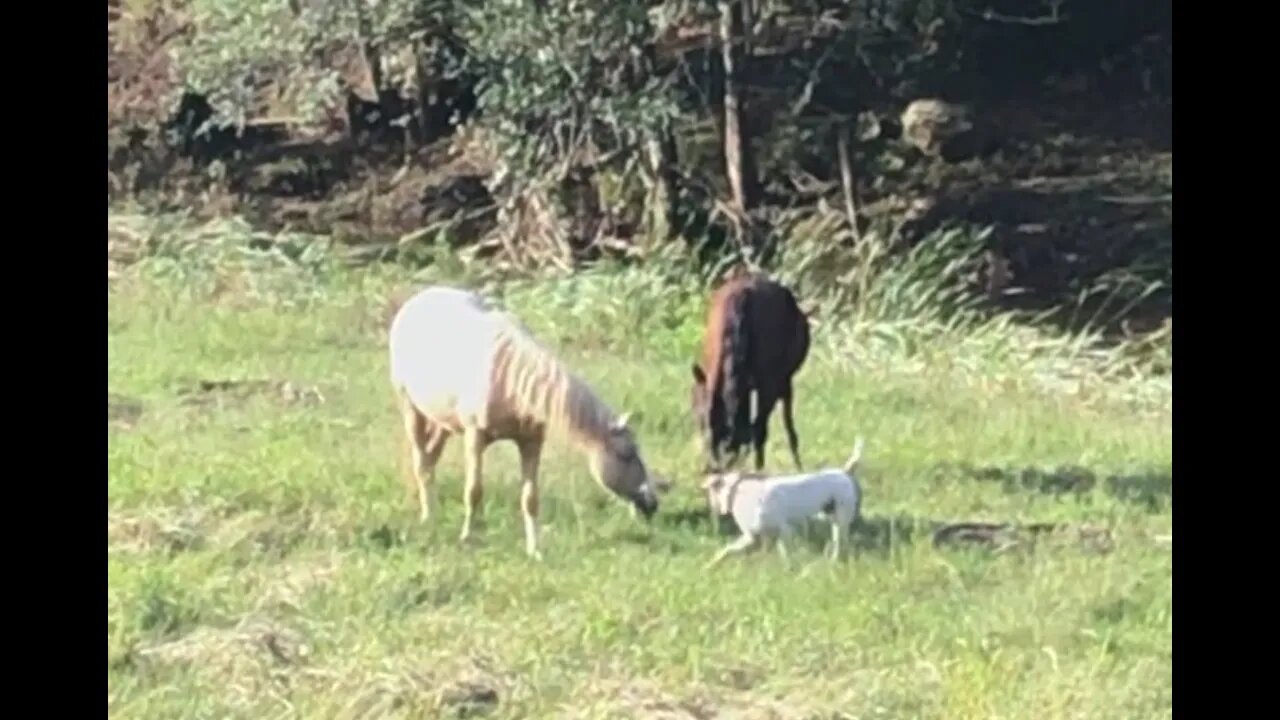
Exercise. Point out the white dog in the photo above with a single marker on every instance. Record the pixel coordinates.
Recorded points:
(768, 506)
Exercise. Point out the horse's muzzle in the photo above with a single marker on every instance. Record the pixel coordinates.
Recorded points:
(646, 504)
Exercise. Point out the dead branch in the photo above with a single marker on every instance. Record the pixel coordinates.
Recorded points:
(1053, 18)
(806, 95)
(1138, 199)
(846, 182)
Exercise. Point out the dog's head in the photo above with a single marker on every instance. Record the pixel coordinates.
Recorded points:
(718, 487)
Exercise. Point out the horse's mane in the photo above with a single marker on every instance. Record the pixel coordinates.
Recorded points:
(538, 385)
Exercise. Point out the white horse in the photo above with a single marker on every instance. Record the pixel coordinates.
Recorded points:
(462, 367)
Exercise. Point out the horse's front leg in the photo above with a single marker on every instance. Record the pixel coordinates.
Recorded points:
(530, 454)
(474, 443)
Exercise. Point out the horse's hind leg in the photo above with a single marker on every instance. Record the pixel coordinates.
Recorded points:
(475, 445)
(530, 454)
(792, 440)
(426, 443)
(764, 409)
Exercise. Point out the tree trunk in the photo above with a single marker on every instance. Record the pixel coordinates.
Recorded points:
(369, 47)
(847, 183)
(664, 168)
(663, 203)
(739, 167)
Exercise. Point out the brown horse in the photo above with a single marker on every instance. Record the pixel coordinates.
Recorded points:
(756, 338)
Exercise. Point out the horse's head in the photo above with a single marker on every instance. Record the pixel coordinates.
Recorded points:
(620, 469)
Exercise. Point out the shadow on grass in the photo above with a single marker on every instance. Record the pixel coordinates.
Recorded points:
(1149, 489)
(882, 534)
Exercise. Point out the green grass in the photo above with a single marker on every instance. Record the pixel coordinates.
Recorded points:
(265, 559)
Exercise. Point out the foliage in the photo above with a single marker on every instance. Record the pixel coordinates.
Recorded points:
(249, 56)
(565, 83)
(913, 307)
(579, 86)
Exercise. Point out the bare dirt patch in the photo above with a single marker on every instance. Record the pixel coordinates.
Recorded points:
(159, 531)
(123, 412)
(643, 699)
(252, 660)
(253, 643)
(453, 691)
(213, 392)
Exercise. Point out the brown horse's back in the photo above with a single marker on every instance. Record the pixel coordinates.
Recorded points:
(775, 327)
(779, 334)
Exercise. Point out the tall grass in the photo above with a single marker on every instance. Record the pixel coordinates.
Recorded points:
(873, 304)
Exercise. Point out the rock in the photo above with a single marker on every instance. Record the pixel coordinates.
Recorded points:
(940, 129)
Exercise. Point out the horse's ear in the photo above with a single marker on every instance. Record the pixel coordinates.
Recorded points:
(621, 423)
(698, 375)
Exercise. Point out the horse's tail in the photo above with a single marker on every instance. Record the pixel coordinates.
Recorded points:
(735, 355)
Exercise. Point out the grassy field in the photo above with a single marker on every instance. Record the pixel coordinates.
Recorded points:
(265, 558)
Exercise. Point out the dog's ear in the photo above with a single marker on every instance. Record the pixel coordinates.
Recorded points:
(712, 482)
(621, 423)
(698, 376)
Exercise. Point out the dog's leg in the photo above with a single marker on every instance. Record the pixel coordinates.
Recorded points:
(839, 531)
(742, 544)
(781, 539)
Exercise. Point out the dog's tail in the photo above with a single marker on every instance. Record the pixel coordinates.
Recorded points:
(852, 463)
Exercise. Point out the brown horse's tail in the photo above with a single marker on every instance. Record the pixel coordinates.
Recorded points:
(735, 388)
